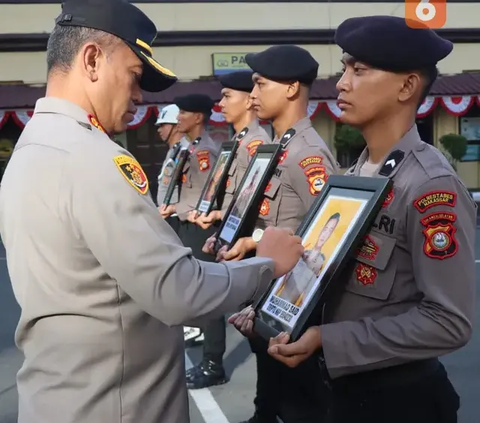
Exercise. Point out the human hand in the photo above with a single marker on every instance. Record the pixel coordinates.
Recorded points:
(209, 246)
(192, 216)
(238, 251)
(283, 247)
(166, 211)
(205, 221)
(295, 353)
(243, 321)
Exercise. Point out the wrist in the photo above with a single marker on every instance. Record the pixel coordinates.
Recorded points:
(251, 244)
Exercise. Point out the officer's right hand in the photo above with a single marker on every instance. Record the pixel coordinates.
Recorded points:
(166, 211)
(283, 247)
(243, 321)
(209, 245)
(205, 221)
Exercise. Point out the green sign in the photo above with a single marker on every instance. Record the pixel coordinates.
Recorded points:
(228, 62)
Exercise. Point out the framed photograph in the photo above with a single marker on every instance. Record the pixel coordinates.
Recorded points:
(176, 179)
(242, 212)
(217, 179)
(331, 232)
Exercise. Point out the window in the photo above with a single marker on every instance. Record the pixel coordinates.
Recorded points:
(470, 129)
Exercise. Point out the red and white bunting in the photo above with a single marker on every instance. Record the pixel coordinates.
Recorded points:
(454, 105)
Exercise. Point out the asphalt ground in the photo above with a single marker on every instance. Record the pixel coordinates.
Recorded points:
(232, 402)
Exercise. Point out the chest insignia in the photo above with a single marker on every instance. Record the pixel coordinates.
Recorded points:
(369, 249)
(282, 157)
(132, 172)
(388, 199)
(366, 274)
(265, 207)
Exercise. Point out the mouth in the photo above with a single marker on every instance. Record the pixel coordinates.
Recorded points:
(342, 104)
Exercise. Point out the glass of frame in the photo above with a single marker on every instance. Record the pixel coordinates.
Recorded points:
(331, 232)
(217, 179)
(176, 176)
(243, 210)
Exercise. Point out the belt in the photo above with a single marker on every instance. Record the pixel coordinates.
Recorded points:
(395, 376)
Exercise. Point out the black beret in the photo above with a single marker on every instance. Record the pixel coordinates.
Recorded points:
(196, 103)
(284, 63)
(388, 43)
(126, 21)
(239, 81)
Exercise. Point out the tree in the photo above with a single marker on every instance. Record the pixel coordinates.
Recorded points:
(349, 143)
(455, 146)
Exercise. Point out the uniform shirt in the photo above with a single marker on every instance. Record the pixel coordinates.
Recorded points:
(102, 280)
(303, 170)
(249, 139)
(411, 294)
(202, 158)
(166, 173)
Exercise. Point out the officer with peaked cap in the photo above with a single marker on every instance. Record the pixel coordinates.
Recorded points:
(409, 295)
(169, 134)
(103, 282)
(237, 110)
(283, 77)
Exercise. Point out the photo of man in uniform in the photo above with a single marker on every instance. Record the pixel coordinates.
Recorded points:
(296, 286)
(222, 161)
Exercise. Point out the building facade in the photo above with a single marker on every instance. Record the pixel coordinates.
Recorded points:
(201, 39)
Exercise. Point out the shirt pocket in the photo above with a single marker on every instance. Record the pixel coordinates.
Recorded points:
(232, 179)
(374, 270)
(270, 204)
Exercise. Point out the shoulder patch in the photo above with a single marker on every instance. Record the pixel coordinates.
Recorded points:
(93, 120)
(435, 198)
(316, 177)
(203, 158)
(252, 147)
(439, 233)
(311, 160)
(132, 172)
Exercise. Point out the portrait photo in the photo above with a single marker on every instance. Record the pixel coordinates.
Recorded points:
(322, 241)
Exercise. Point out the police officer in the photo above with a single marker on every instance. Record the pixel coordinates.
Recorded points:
(169, 134)
(103, 282)
(410, 296)
(283, 77)
(237, 110)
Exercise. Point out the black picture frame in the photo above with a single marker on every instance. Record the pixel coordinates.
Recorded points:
(176, 176)
(204, 205)
(283, 308)
(233, 227)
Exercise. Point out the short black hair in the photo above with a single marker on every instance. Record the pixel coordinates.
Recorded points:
(429, 76)
(65, 42)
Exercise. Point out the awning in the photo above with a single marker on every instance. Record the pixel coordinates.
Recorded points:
(25, 96)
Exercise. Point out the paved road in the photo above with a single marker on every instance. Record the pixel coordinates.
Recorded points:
(232, 402)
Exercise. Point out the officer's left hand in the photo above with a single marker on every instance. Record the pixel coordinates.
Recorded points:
(205, 221)
(192, 216)
(166, 211)
(239, 250)
(295, 353)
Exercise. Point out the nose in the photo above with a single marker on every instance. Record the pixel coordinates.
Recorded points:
(342, 83)
(254, 93)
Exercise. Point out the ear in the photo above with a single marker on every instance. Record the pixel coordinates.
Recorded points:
(90, 55)
(248, 101)
(293, 89)
(412, 84)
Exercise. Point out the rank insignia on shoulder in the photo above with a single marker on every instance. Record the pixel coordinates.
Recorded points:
(132, 172)
(316, 178)
(439, 232)
(393, 160)
(242, 134)
(93, 120)
(435, 198)
(287, 136)
(252, 147)
(311, 160)
(203, 160)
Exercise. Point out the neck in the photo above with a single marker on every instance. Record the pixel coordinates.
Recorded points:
(61, 86)
(287, 119)
(381, 136)
(246, 120)
(174, 138)
(195, 132)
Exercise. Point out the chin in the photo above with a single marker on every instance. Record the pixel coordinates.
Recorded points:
(349, 119)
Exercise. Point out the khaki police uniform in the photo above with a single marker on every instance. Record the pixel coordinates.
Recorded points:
(249, 139)
(166, 173)
(103, 282)
(304, 168)
(411, 294)
(203, 155)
